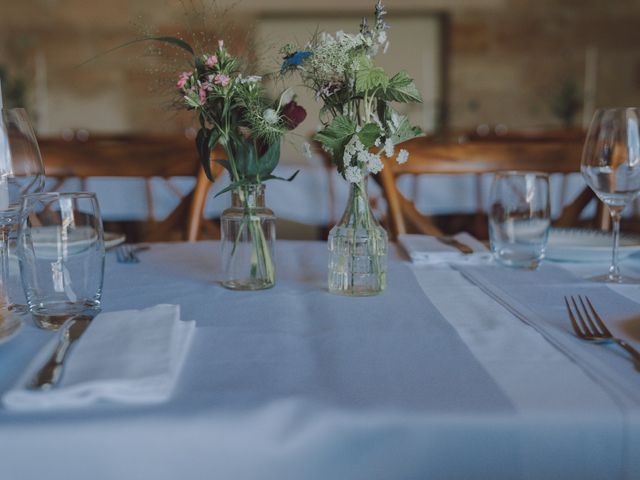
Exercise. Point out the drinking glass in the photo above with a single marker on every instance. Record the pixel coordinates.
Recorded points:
(21, 173)
(611, 168)
(519, 218)
(61, 256)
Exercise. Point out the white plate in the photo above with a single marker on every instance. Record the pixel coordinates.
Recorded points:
(113, 239)
(579, 245)
(47, 237)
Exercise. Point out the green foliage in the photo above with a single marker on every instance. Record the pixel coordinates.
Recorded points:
(400, 127)
(335, 136)
(368, 134)
(567, 102)
(371, 80)
(206, 140)
(401, 88)
(14, 89)
(356, 94)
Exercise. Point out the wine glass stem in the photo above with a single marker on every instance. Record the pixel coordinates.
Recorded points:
(614, 269)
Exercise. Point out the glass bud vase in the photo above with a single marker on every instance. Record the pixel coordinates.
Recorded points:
(358, 248)
(248, 235)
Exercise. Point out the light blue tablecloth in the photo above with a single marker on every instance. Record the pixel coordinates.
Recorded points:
(296, 383)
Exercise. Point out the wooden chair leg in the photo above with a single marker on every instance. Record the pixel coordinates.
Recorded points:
(416, 218)
(396, 219)
(196, 209)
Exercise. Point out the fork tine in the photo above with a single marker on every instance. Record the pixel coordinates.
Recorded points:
(596, 331)
(573, 319)
(601, 324)
(585, 327)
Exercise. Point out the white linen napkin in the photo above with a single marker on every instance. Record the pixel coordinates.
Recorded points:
(537, 298)
(131, 356)
(428, 250)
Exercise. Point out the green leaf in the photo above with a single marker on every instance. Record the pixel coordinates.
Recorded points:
(205, 141)
(335, 136)
(225, 164)
(269, 161)
(367, 81)
(275, 177)
(400, 128)
(369, 78)
(232, 186)
(176, 42)
(368, 134)
(402, 88)
(244, 156)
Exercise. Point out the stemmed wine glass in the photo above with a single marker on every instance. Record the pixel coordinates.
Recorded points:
(611, 167)
(21, 173)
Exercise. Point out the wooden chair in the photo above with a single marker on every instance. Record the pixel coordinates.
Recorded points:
(142, 156)
(475, 158)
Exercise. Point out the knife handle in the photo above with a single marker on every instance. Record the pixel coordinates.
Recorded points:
(453, 242)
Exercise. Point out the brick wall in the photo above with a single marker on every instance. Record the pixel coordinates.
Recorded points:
(506, 58)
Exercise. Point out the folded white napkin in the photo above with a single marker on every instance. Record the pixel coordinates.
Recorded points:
(131, 356)
(428, 250)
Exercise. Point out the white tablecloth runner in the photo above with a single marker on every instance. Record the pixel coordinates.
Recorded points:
(296, 383)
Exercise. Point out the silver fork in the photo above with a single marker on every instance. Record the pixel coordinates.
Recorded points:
(588, 325)
(128, 253)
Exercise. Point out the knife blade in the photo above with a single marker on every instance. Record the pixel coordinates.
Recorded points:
(49, 374)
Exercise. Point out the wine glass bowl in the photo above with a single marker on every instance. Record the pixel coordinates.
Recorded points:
(21, 168)
(21, 173)
(611, 167)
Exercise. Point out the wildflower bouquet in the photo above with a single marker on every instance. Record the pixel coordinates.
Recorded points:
(359, 124)
(356, 94)
(234, 111)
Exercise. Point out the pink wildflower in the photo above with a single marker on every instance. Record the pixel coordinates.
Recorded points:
(211, 61)
(203, 95)
(221, 79)
(183, 79)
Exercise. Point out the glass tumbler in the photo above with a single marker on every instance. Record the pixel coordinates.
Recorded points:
(519, 218)
(61, 255)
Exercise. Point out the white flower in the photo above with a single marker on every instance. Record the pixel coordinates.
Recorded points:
(402, 157)
(382, 37)
(353, 174)
(353, 148)
(249, 79)
(270, 116)
(374, 165)
(287, 96)
(326, 38)
(388, 148)
(306, 150)
(378, 142)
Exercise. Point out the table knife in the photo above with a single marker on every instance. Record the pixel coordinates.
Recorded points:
(49, 374)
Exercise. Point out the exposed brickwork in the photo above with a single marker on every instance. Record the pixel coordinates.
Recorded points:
(507, 57)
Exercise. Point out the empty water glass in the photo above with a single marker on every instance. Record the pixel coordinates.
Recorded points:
(519, 218)
(61, 256)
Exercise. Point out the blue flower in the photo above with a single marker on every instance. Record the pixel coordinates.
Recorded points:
(295, 59)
